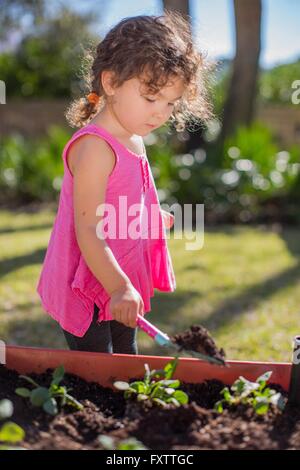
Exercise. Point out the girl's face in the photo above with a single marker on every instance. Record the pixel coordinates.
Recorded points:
(140, 112)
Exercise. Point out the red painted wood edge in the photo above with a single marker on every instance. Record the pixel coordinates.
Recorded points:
(104, 368)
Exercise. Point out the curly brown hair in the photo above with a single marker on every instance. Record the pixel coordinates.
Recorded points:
(158, 47)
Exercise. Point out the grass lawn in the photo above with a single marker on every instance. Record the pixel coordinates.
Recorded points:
(243, 285)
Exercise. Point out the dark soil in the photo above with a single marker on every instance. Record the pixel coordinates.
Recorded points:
(192, 426)
(198, 339)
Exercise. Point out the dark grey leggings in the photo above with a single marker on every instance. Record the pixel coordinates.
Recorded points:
(107, 336)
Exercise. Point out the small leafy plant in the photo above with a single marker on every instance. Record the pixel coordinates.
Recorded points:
(160, 392)
(47, 398)
(255, 394)
(109, 443)
(10, 433)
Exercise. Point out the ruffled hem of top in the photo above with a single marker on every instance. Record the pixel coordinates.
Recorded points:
(151, 273)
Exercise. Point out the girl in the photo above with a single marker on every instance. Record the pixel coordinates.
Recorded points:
(146, 72)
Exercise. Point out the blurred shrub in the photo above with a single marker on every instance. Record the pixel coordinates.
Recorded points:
(32, 170)
(257, 171)
(47, 61)
(254, 175)
(275, 85)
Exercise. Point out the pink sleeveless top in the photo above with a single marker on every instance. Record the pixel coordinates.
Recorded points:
(66, 286)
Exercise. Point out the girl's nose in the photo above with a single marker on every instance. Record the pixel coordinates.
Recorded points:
(160, 115)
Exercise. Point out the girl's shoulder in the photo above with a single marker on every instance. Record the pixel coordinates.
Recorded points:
(87, 145)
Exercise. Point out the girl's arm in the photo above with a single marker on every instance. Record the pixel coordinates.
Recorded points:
(92, 162)
(168, 218)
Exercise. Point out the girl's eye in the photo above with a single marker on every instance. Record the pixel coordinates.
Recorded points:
(153, 101)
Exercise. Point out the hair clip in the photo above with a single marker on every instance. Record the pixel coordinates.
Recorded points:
(93, 98)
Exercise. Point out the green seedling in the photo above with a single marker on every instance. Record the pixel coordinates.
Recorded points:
(255, 394)
(109, 443)
(160, 392)
(48, 398)
(10, 433)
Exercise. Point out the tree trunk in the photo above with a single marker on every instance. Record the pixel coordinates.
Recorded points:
(179, 5)
(239, 108)
(195, 139)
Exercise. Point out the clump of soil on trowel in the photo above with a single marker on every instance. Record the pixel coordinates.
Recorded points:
(198, 339)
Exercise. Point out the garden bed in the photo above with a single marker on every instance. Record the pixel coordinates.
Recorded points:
(105, 411)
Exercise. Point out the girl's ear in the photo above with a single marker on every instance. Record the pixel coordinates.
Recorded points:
(106, 81)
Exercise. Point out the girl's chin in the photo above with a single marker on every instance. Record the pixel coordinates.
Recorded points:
(146, 131)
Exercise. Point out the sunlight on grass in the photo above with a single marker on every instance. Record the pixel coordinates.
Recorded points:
(243, 285)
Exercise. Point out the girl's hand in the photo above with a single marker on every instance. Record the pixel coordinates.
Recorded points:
(125, 305)
(168, 218)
